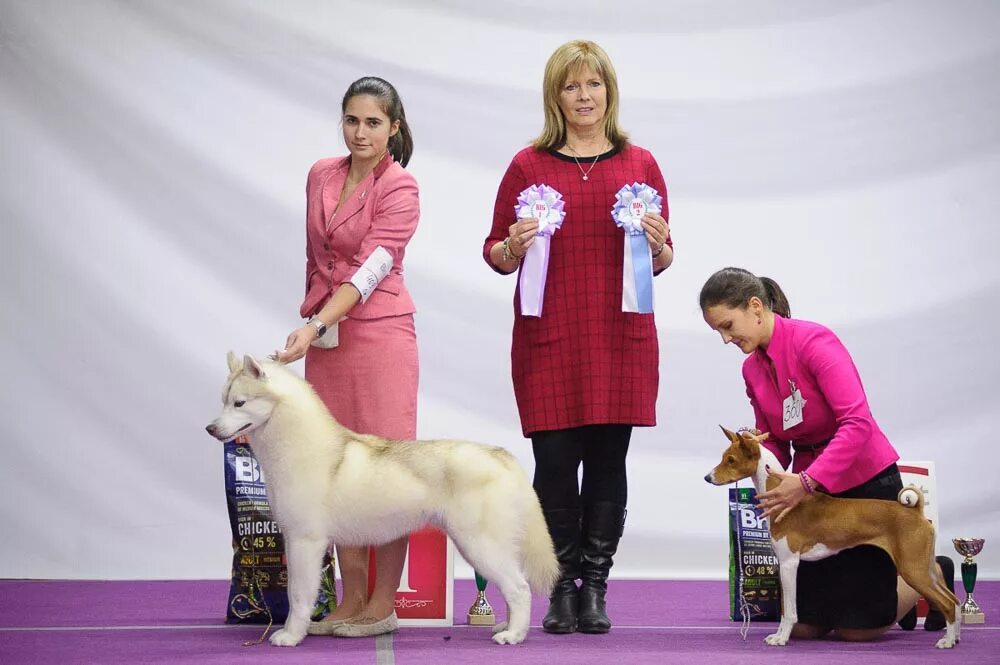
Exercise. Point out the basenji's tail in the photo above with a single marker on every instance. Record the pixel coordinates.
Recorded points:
(911, 497)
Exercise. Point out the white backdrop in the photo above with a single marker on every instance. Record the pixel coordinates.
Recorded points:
(154, 157)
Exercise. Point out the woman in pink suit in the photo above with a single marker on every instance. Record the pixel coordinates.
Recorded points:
(585, 372)
(806, 392)
(362, 210)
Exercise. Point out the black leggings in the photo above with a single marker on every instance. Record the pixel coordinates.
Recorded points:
(558, 455)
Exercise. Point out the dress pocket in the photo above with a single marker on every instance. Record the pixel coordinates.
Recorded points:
(537, 332)
(639, 326)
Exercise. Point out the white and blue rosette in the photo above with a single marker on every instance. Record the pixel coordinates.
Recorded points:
(632, 202)
(546, 204)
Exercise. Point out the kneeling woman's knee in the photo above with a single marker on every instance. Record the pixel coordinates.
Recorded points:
(802, 631)
(861, 634)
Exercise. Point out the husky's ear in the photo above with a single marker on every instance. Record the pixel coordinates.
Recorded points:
(732, 436)
(234, 362)
(252, 367)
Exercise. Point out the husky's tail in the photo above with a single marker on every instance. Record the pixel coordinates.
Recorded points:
(911, 497)
(541, 567)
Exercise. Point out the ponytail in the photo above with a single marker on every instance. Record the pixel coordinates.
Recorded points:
(401, 143)
(775, 299)
(733, 287)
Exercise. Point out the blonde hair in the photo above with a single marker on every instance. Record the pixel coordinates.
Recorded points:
(569, 58)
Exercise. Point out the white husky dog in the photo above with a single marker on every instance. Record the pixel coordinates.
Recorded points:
(329, 484)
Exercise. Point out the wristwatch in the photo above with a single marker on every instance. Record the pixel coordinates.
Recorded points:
(319, 325)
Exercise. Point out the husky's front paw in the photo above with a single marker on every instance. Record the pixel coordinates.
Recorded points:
(286, 638)
(777, 639)
(508, 637)
(500, 627)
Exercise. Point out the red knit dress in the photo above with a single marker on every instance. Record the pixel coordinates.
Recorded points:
(584, 361)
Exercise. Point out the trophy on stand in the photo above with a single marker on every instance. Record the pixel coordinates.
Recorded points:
(481, 613)
(970, 547)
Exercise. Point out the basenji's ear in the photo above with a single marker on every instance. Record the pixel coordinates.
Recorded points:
(252, 367)
(234, 363)
(732, 436)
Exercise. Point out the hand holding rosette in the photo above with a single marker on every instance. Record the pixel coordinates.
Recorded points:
(632, 203)
(546, 205)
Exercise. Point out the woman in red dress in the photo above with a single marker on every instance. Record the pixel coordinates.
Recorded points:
(585, 372)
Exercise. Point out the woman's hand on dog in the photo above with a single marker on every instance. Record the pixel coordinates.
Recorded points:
(296, 345)
(782, 498)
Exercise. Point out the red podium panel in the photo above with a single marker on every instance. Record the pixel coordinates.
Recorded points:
(426, 587)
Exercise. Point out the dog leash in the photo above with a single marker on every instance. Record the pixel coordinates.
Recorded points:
(250, 597)
(744, 606)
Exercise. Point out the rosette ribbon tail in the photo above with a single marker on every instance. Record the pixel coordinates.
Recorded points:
(534, 269)
(545, 204)
(632, 202)
(637, 275)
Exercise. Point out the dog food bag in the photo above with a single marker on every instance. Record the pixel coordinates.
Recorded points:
(752, 561)
(258, 591)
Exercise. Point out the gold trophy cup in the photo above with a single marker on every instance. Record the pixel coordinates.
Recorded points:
(970, 547)
(481, 612)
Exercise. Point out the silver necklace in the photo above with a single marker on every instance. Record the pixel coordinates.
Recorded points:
(585, 174)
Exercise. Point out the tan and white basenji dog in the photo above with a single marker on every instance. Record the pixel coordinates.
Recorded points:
(821, 526)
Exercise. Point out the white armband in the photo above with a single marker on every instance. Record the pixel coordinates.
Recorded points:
(372, 272)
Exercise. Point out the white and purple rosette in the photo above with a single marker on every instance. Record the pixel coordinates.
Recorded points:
(632, 202)
(546, 204)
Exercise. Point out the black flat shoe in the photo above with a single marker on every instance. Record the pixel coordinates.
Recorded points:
(909, 620)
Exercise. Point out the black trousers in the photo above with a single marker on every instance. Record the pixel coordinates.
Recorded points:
(601, 449)
(857, 587)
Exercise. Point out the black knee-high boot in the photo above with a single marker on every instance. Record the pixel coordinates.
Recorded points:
(564, 527)
(603, 524)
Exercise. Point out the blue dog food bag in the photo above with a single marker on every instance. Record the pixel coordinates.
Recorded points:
(752, 561)
(258, 590)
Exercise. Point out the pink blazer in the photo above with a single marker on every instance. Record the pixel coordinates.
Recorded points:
(836, 407)
(382, 210)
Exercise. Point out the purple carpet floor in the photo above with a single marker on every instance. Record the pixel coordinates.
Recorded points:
(655, 622)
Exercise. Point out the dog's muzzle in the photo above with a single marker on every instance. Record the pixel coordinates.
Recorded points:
(213, 429)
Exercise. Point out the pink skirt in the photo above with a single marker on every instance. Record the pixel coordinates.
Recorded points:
(369, 381)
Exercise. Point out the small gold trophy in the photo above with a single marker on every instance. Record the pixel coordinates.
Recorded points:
(970, 547)
(481, 613)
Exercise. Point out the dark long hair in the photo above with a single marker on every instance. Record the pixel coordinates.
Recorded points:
(733, 287)
(401, 143)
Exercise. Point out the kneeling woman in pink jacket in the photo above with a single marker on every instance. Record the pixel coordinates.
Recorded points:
(806, 391)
